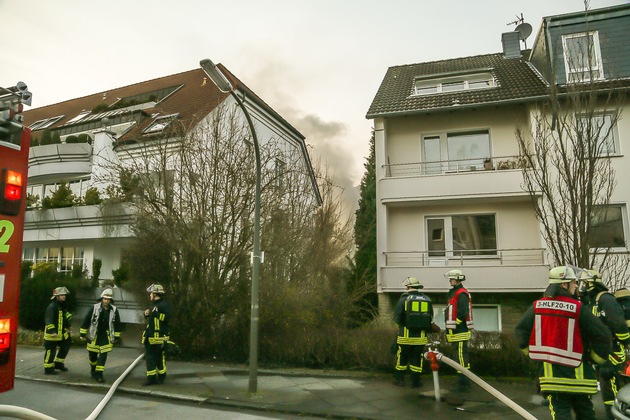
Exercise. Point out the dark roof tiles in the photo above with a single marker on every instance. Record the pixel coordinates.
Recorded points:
(516, 79)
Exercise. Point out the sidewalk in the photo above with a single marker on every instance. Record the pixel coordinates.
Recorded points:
(311, 393)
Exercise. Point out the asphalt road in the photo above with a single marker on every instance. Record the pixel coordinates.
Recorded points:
(72, 403)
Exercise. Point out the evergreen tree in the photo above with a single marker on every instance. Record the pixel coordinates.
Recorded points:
(365, 239)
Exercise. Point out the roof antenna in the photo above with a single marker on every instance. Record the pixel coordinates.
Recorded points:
(524, 29)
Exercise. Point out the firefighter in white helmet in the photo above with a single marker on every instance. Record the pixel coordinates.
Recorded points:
(459, 323)
(101, 327)
(156, 335)
(414, 315)
(57, 332)
(558, 331)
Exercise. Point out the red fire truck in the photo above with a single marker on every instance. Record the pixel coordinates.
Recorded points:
(14, 147)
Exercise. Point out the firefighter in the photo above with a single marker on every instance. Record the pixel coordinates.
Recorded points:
(414, 315)
(156, 335)
(458, 318)
(57, 332)
(101, 326)
(558, 331)
(605, 307)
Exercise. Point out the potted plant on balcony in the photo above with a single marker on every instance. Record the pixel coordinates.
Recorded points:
(487, 164)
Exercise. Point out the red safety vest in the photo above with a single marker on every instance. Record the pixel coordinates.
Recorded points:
(451, 312)
(556, 336)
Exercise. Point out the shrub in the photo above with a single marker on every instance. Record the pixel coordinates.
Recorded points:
(36, 292)
(62, 197)
(72, 139)
(46, 137)
(84, 138)
(121, 274)
(96, 271)
(92, 197)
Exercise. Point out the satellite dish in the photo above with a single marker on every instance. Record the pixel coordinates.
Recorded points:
(524, 30)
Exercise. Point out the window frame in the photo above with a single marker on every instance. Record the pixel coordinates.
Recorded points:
(446, 163)
(165, 121)
(613, 131)
(447, 84)
(447, 238)
(438, 318)
(45, 123)
(624, 229)
(585, 72)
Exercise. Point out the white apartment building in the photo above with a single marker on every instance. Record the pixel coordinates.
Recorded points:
(449, 182)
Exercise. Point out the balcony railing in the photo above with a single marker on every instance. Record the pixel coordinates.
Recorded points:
(469, 257)
(454, 166)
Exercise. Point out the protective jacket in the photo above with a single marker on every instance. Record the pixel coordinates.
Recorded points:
(554, 377)
(610, 312)
(556, 337)
(458, 315)
(407, 334)
(158, 321)
(57, 321)
(101, 327)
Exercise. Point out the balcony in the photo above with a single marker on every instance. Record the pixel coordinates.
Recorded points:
(59, 159)
(78, 223)
(488, 270)
(430, 182)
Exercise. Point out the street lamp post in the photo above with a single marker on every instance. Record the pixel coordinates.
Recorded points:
(224, 85)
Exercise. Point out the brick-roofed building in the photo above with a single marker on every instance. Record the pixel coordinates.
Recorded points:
(449, 183)
(78, 135)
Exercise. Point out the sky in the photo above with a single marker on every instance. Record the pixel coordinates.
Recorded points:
(318, 63)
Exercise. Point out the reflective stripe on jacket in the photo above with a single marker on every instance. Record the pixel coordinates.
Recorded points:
(458, 329)
(556, 335)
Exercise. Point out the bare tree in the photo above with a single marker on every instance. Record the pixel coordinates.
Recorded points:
(193, 196)
(567, 167)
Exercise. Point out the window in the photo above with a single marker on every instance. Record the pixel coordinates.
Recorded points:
(582, 57)
(160, 124)
(461, 235)
(45, 123)
(600, 126)
(464, 151)
(607, 227)
(487, 317)
(77, 186)
(454, 83)
(65, 257)
(79, 117)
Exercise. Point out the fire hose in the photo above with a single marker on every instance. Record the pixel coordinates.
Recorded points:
(26, 413)
(434, 356)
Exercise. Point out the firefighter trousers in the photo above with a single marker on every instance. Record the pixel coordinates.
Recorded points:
(561, 404)
(156, 362)
(52, 356)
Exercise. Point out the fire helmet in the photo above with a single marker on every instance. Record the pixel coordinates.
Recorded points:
(107, 294)
(60, 291)
(156, 288)
(561, 274)
(413, 283)
(455, 275)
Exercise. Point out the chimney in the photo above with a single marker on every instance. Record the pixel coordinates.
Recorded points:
(511, 44)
